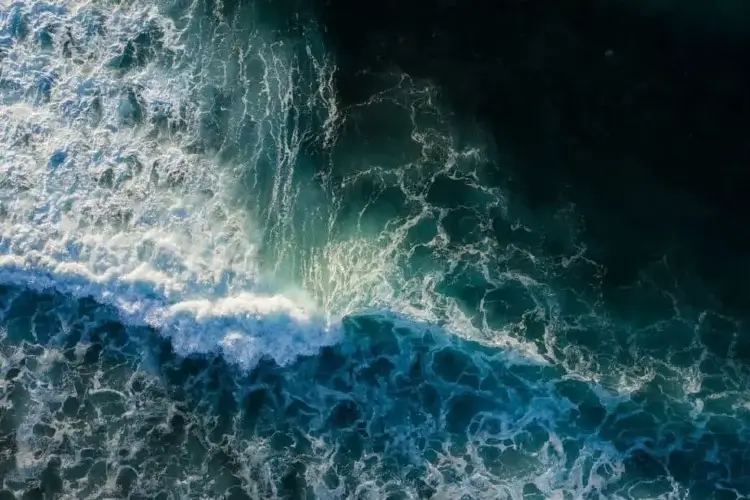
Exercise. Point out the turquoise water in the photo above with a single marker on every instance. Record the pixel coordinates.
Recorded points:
(219, 281)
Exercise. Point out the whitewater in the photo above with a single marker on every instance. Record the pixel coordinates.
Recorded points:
(217, 283)
(83, 214)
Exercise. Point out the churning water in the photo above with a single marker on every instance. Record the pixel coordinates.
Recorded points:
(217, 282)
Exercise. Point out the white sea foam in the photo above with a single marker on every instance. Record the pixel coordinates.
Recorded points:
(108, 186)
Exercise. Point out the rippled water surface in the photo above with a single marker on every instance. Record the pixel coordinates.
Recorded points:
(218, 281)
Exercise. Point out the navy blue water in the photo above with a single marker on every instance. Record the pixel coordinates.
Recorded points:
(221, 279)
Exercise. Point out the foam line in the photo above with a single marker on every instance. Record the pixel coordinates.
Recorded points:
(243, 328)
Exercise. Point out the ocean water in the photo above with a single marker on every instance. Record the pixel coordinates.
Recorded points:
(219, 279)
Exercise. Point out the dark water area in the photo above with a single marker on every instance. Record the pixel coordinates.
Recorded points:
(638, 112)
(414, 412)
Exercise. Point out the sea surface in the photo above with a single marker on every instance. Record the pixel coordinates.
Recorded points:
(219, 278)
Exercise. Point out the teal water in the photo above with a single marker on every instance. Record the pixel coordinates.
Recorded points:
(219, 281)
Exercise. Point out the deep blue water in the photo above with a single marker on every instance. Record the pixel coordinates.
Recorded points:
(243, 256)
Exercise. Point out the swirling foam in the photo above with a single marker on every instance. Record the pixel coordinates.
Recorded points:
(110, 186)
